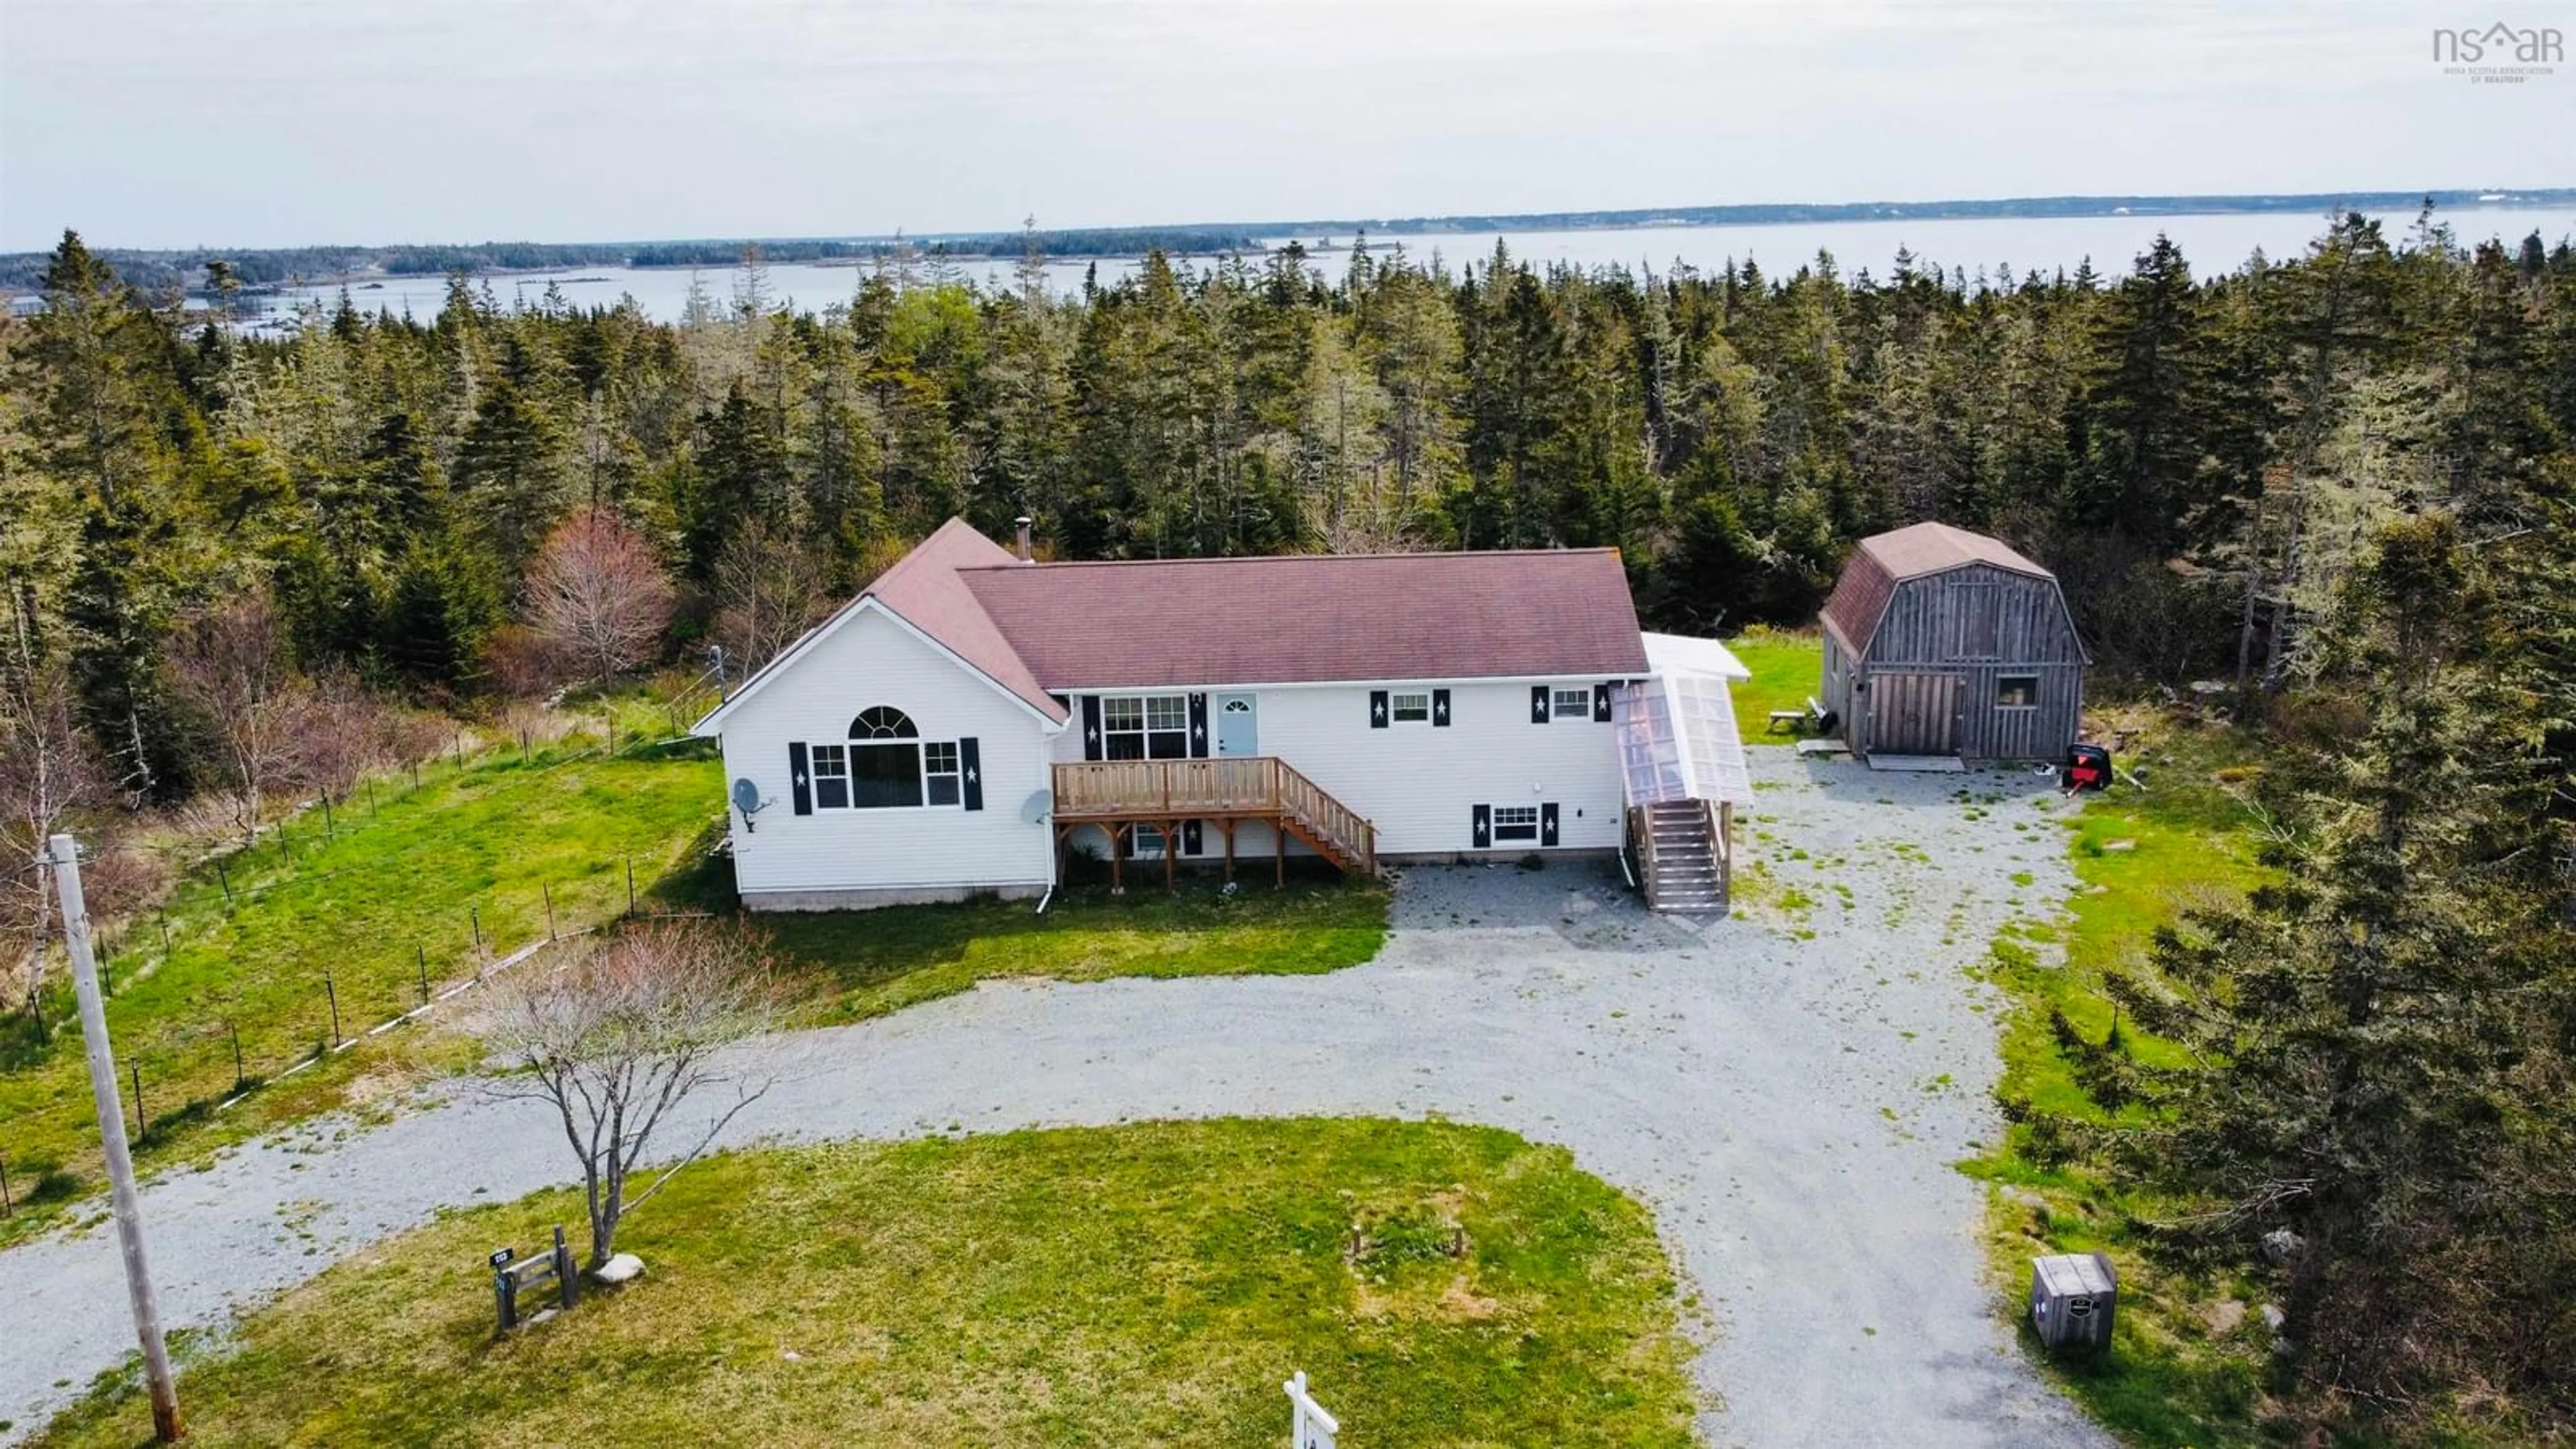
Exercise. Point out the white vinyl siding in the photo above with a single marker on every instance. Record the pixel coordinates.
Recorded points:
(874, 660)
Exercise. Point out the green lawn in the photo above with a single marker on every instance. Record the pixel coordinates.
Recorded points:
(403, 878)
(1787, 667)
(865, 963)
(1142, 1285)
(2180, 1374)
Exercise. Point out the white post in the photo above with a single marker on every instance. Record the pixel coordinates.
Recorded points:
(65, 859)
(1309, 1427)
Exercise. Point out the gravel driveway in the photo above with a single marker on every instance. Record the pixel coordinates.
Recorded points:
(1787, 1092)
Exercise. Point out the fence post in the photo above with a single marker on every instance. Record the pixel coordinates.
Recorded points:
(523, 744)
(332, 994)
(165, 933)
(241, 1078)
(475, 915)
(7, 1208)
(630, 887)
(421, 953)
(328, 827)
(226, 877)
(140, 1131)
(612, 732)
(549, 892)
(566, 1292)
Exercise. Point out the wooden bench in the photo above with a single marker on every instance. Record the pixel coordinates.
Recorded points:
(1812, 717)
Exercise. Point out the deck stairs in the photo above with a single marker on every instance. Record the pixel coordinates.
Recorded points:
(1681, 853)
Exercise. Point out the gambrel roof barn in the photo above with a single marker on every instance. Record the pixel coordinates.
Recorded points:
(1941, 642)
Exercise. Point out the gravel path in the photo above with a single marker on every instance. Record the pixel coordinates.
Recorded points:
(1787, 1093)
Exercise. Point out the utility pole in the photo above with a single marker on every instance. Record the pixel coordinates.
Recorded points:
(64, 857)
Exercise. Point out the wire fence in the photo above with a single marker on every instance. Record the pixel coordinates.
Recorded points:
(185, 1061)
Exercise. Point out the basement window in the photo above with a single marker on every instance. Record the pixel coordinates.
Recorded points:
(2017, 691)
(1518, 822)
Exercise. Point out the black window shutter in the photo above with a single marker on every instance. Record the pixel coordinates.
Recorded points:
(1538, 704)
(1092, 743)
(970, 773)
(1198, 726)
(797, 784)
(1191, 844)
(1601, 703)
(1377, 709)
(1547, 825)
(1481, 827)
(1440, 707)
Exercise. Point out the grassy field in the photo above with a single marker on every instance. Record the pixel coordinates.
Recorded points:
(2188, 1365)
(404, 881)
(1140, 1285)
(1786, 665)
(856, 964)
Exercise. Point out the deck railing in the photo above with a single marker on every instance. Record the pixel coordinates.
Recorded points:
(1248, 786)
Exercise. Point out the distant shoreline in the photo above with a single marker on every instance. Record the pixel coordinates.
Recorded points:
(272, 269)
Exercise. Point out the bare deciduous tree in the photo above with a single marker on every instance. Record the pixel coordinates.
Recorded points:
(616, 1038)
(768, 591)
(339, 735)
(47, 771)
(228, 663)
(597, 593)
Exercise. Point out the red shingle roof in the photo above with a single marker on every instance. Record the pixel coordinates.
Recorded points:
(1318, 617)
(927, 587)
(1293, 620)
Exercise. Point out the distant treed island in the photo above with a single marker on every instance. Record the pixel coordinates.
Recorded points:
(258, 269)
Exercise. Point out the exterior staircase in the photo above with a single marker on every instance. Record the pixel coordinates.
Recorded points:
(1681, 854)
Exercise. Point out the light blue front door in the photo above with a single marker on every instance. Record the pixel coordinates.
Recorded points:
(1238, 725)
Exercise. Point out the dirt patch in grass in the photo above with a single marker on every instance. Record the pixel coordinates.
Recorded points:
(1124, 1286)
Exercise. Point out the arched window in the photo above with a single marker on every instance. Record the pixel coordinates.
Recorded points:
(885, 759)
(883, 722)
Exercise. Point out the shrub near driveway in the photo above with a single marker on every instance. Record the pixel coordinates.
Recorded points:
(1113, 1286)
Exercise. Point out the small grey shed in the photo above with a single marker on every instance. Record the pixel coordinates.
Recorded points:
(1939, 641)
(2071, 1297)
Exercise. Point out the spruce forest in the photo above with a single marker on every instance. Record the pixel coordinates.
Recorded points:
(2337, 484)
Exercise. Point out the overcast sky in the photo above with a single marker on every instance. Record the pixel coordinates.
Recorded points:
(276, 122)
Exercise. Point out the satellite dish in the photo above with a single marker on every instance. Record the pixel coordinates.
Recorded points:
(1038, 807)
(746, 796)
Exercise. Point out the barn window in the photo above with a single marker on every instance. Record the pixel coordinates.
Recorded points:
(1414, 708)
(1145, 726)
(1520, 822)
(1570, 704)
(885, 760)
(2017, 691)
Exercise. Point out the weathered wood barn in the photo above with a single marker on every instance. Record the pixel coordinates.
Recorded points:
(1939, 641)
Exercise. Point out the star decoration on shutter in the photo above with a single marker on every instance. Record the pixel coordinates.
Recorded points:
(1199, 730)
(1093, 733)
(971, 776)
(800, 777)
(1378, 708)
(1441, 708)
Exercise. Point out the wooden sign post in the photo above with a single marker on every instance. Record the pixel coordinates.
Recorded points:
(1309, 1426)
(513, 1275)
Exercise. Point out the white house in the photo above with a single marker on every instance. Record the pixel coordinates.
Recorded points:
(972, 716)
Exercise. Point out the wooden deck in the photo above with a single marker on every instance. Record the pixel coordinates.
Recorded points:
(1119, 795)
